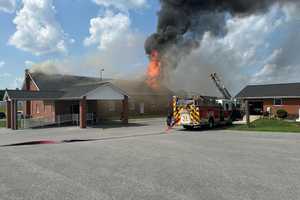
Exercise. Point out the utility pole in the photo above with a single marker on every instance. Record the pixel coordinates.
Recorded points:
(101, 74)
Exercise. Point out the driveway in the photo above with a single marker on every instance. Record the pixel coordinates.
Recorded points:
(142, 161)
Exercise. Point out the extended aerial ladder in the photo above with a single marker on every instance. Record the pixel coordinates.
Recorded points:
(220, 86)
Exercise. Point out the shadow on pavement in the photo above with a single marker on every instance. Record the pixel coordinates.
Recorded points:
(102, 125)
(113, 124)
(206, 129)
(40, 142)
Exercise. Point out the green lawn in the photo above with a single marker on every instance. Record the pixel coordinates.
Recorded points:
(2, 124)
(2, 109)
(269, 125)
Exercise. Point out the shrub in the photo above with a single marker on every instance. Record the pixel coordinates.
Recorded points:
(282, 114)
(266, 114)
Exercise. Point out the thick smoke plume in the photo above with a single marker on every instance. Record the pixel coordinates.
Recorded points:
(182, 24)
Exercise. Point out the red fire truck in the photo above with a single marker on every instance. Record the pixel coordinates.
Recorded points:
(198, 111)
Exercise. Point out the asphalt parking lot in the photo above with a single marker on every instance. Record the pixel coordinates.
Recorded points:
(142, 161)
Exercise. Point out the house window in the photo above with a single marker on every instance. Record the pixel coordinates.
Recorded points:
(277, 102)
(111, 106)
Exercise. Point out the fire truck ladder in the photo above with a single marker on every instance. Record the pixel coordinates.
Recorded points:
(220, 86)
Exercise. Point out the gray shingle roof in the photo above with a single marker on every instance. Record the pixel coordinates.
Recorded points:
(78, 84)
(60, 81)
(59, 86)
(78, 91)
(288, 90)
(36, 95)
(75, 92)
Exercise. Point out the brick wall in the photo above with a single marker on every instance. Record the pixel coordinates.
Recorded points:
(39, 108)
(292, 106)
(153, 105)
(42, 109)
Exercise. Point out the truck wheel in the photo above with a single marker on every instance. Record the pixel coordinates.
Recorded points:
(211, 123)
(169, 121)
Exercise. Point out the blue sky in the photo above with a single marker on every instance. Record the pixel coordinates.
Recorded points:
(82, 36)
(74, 18)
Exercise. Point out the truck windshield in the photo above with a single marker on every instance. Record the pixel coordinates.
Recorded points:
(184, 102)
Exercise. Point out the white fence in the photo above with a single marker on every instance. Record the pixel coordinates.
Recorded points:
(50, 121)
(2, 121)
(36, 122)
(68, 118)
(90, 118)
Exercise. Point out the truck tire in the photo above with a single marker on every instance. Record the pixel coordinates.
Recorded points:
(211, 123)
(169, 121)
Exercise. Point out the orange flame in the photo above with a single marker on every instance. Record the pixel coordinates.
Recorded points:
(154, 70)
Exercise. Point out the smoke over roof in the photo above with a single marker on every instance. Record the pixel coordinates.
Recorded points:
(182, 23)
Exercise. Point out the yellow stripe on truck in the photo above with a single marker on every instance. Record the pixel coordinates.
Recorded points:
(194, 113)
(194, 117)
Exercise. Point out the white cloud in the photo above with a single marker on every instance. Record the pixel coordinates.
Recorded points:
(123, 58)
(123, 5)
(28, 63)
(291, 11)
(275, 59)
(121, 48)
(283, 65)
(130, 63)
(273, 73)
(2, 63)
(108, 28)
(38, 31)
(246, 36)
(8, 6)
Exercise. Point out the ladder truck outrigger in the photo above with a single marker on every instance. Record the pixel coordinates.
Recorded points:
(198, 111)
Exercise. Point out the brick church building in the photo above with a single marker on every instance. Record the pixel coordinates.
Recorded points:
(54, 95)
